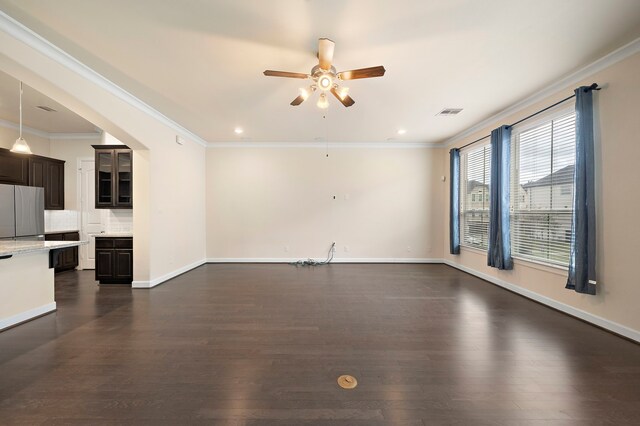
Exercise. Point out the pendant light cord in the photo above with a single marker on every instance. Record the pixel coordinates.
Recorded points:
(20, 109)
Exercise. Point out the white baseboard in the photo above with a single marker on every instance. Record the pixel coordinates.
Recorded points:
(26, 315)
(335, 260)
(578, 313)
(166, 277)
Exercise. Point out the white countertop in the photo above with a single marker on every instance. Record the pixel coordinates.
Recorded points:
(114, 235)
(18, 247)
(64, 231)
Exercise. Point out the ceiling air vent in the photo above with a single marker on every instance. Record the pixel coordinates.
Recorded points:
(46, 108)
(450, 111)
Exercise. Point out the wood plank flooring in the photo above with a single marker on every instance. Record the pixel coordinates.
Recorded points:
(264, 345)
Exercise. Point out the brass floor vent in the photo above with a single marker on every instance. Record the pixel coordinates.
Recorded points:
(347, 382)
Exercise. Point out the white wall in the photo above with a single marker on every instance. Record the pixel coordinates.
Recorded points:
(70, 150)
(277, 203)
(617, 150)
(38, 145)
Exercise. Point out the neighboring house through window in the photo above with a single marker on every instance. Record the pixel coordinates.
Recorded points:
(475, 172)
(542, 167)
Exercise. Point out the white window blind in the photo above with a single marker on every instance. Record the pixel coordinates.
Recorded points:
(542, 166)
(475, 170)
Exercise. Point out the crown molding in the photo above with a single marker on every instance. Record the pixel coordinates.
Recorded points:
(74, 136)
(46, 135)
(573, 78)
(25, 129)
(25, 35)
(353, 145)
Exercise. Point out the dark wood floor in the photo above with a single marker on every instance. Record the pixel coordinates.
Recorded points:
(264, 344)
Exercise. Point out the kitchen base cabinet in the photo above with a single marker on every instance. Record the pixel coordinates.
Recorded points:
(114, 260)
(68, 257)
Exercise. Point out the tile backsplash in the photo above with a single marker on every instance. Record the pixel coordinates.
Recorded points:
(118, 220)
(67, 220)
(61, 220)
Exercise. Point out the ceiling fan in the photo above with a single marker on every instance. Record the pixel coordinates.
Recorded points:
(325, 77)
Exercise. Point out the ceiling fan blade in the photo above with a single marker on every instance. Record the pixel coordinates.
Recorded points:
(362, 73)
(286, 74)
(346, 100)
(325, 53)
(297, 101)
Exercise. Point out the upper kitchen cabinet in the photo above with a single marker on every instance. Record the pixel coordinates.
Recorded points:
(34, 170)
(14, 168)
(48, 173)
(114, 177)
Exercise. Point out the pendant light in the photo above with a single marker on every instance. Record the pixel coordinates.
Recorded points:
(20, 145)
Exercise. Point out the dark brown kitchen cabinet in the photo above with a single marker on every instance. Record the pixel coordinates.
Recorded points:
(114, 177)
(48, 173)
(114, 260)
(14, 168)
(68, 257)
(35, 170)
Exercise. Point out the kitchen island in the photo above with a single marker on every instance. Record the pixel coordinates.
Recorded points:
(27, 280)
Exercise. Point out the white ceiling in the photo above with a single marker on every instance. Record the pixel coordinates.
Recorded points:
(200, 62)
(60, 121)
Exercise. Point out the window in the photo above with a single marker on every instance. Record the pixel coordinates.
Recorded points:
(475, 172)
(542, 165)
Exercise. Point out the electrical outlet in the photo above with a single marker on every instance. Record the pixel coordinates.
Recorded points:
(408, 249)
(346, 249)
(286, 249)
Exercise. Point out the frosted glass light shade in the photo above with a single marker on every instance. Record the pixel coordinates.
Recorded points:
(21, 146)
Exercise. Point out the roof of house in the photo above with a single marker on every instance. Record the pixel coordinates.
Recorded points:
(473, 184)
(562, 176)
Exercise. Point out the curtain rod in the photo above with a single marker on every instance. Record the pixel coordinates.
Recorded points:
(594, 86)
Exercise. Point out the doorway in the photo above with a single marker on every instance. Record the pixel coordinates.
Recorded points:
(92, 220)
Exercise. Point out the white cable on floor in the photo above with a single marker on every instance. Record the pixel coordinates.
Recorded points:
(312, 262)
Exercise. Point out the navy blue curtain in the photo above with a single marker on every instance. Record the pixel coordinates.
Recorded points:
(499, 253)
(454, 202)
(582, 263)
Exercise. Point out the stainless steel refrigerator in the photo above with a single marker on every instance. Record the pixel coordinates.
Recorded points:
(21, 212)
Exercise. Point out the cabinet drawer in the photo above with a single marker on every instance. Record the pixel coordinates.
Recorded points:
(109, 242)
(125, 243)
(102, 242)
(53, 237)
(71, 236)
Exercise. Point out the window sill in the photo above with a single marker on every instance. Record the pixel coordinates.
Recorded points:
(546, 267)
(473, 249)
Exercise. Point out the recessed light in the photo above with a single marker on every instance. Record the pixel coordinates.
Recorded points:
(402, 131)
(238, 130)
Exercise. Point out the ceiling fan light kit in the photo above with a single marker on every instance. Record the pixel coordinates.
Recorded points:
(323, 102)
(325, 77)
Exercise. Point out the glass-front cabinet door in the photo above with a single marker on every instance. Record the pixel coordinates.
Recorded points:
(104, 179)
(114, 177)
(124, 179)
